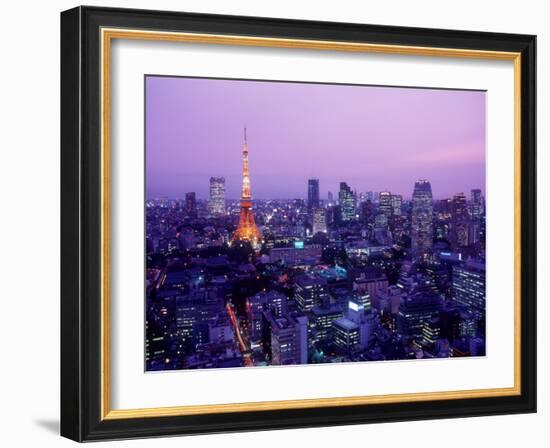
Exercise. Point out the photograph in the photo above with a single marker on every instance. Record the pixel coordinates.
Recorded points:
(293, 223)
(278, 220)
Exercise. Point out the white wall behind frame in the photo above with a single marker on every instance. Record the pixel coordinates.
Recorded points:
(29, 182)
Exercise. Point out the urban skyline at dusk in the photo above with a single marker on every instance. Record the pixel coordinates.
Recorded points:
(299, 131)
(355, 274)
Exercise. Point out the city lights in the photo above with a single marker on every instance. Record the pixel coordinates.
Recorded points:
(384, 279)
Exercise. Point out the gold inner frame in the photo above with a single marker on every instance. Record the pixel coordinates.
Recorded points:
(107, 35)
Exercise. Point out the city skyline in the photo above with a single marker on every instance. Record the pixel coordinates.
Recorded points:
(432, 117)
(368, 275)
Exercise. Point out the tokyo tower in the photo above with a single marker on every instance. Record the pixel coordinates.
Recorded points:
(247, 230)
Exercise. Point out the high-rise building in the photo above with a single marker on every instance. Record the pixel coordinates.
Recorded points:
(321, 321)
(330, 198)
(385, 203)
(476, 204)
(461, 233)
(459, 208)
(430, 334)
(474, 232)
(313, 193)
(346, 200)
(347, 334)
(354, 330)
(273, 302)
(396, 202)
(319, 220)
(415, 309)
(366, 211)
(459, 217)
(468, 289)
(381, 221)
(422, 218)
(288, 340)
(310, 291)
(247, 230)
(216, 206)
(191, 204)
(194, 312)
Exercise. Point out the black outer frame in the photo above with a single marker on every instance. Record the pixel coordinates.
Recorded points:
(80, 224)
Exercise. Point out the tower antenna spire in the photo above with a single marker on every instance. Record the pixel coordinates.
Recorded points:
(247, 229)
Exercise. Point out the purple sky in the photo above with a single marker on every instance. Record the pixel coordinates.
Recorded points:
(373, 138)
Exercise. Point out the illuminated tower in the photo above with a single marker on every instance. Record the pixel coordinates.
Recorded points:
(247, 230)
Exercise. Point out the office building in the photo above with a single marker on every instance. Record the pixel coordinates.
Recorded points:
(421, 219)
(191, 204)
(414, 310)
(272, 302)
(310, 291)
(216, 205)
(297, 255)
(476, 204)
(321, 320)
(385, 203)
(468, 289)
(396, 203)
(289, 341)
(312, 193)
(346, 201)
(319, 220)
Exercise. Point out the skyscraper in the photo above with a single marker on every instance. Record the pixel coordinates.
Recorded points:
(476, 204)
(313, 193)
(366, 211)
(385, 201)
(422, 217)
(346, 200)
(191, 204)
(216, 206)
(247, 230)
(319, 220)
(468, 289)
(459, 228)
(459, 207)
(396, 201)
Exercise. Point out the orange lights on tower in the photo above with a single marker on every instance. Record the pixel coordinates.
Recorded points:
(247, 229)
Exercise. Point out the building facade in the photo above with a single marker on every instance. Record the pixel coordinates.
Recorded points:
(313, 193)
(216, 205)
(191, 204)
(421, 218)
(346, 201)
(319, 221)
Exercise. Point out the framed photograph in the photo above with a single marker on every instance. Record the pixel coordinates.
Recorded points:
(273, 223)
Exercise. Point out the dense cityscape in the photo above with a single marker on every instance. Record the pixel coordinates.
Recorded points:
(341, 277)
